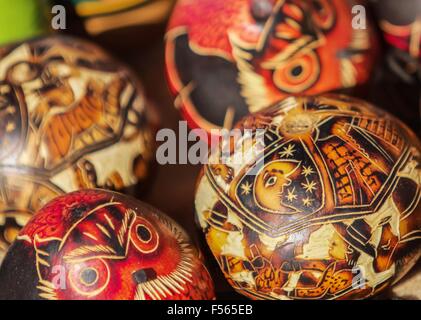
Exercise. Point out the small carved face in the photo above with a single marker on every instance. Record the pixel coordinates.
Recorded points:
(337, 247)
(270, 184)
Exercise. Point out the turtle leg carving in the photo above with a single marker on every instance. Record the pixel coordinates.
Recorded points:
(333, 282)
(393, 241)
(268, 278)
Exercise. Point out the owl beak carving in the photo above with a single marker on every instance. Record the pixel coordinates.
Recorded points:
(101, 239)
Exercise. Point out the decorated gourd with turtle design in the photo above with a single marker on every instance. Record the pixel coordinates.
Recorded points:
(318, 198)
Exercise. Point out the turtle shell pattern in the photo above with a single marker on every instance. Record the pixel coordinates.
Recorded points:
(324, 202)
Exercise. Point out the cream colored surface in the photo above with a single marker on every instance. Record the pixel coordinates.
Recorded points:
(410, 286)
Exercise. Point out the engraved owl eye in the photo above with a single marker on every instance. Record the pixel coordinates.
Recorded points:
(90, 278)
(144, 236)
(143, 233)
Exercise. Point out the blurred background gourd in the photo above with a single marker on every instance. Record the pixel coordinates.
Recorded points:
(124, 24)
(397, 81)
(226, 59)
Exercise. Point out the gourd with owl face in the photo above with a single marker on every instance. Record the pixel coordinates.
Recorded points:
(94, 244)
(71, 118)
(228, 58)
(322, 202)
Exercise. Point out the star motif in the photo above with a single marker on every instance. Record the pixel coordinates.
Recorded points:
(307, 201)
(309, 186)
(291, 195)
(307, 171)
(246, 188)
(287, 151)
